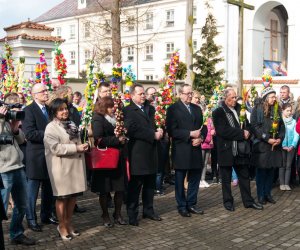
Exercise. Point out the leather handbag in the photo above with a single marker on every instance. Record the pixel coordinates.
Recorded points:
(102, 159)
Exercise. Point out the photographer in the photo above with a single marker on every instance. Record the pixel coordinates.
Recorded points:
(11, 167)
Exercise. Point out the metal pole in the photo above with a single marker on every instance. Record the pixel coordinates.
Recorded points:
(241, 48)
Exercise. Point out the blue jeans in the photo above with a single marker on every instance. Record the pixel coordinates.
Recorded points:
(194, 176)
(46, 199)
(15, 183)
(264, 181)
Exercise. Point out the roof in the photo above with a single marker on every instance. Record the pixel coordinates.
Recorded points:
(69, 8)
(274, 81)
(29, 25)
(37, 38)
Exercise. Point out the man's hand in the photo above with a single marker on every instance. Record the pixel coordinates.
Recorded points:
(196, 142)
(195, 133)
(3, 111)
(246, 134)
(158, 134)
(122, 139)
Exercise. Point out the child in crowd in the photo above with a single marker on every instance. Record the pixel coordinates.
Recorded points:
(289, 145)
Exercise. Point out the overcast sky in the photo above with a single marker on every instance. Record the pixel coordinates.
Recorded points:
(16, 11)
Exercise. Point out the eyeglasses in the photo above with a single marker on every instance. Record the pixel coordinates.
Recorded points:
(141, 94)
(42, 91)
(188, 94)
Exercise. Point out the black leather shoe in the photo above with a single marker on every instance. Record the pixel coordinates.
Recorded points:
(134, 223)
(35, 227)
(270, 199)
(229, 208)
(79, 209)
(255, 206)
(155, 217)
(23, 240)
(184, 213)
(262, 201)
(195, 210)
(50, 220)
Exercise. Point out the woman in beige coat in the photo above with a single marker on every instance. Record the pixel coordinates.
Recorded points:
(66, 165)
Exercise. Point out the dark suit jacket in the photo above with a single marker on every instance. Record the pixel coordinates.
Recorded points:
(180, 122)
(34, 126)
(141, 146)
(74, 115)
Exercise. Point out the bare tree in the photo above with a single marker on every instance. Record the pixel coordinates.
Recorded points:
(189, 40)
(116, 31)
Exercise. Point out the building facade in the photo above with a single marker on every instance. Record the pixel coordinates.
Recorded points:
(153, 29)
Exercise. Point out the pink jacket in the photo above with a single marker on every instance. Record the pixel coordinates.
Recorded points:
(208, 142)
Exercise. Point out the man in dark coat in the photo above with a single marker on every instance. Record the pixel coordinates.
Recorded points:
(139, 121)
(184, 125)
(229, 133)
(34, 124)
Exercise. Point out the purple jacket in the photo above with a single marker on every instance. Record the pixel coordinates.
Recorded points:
(208, 142)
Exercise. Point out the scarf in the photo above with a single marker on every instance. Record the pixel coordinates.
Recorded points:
(71, 129)
(231, 123)
(288, 121)
(111, 120)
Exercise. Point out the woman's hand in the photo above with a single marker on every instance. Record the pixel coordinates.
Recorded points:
(82, 147)
(271, 141)
(122, 139)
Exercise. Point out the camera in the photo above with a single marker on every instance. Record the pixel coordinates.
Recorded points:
(17, 115)
(6, 139)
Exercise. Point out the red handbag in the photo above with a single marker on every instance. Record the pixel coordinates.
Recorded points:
(102, 159)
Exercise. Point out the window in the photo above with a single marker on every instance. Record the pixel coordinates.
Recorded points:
(130, 54)
(87, 56)
(107, 26)
(169, 49)
(72, 31)
(87, 32)
(149, 77)
(58, 31)
(72, 57)
(149, 21)
(195, 14)
(149, 52)
(130, 23)
(195, 45)
(170, 18)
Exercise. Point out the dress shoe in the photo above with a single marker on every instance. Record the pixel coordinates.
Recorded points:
(35, 227)
(134, 223)
(184, 213)
(79, 209)
(119, 220)
(229, 208)
(23, 240)
(155, 217)
(195, 210)
(262, 201)
(50, 220)
(64, 237)
(270, 199)
(255, 206)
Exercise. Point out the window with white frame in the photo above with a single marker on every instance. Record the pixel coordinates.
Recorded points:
(87, 56)
(149, 52)
(87, 26)
(195, 14)
(195, 45)
(72, 57)
(149, 77)
(58, 31)
(130, 23)
(170, 18)
(130, 54)
(169, 49)
(72, 31)
(149, 21)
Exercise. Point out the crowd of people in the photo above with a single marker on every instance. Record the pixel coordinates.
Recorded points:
(46, 149)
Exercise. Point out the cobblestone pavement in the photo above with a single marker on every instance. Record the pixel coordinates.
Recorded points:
(276, 227)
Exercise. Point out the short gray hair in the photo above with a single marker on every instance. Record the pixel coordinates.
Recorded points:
(227, 91)
(180, 89)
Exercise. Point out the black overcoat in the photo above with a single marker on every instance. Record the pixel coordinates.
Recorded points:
(180, 122)
(142, 150)
(227, 134)
(262, 154)
(34, 126)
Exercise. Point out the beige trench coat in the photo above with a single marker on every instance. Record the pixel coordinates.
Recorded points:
(65, 166)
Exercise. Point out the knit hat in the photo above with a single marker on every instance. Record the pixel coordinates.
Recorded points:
(265, 92)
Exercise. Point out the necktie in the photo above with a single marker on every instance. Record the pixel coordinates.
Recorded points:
(189, 108)
(142, 108)
(44, 110)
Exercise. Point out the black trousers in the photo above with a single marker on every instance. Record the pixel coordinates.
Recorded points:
(1, 237)
(242, 172)
(136, 183)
